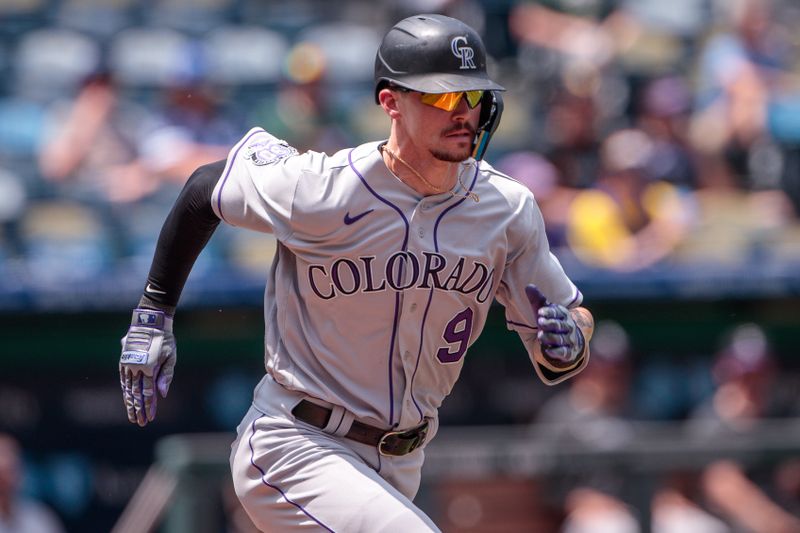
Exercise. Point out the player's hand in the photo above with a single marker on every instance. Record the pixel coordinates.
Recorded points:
(147, 363)
(560, 337)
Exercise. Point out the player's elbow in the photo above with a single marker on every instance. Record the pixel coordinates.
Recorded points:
(199, 188)
(207, 175)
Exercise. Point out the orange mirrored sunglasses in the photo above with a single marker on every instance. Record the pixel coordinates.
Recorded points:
(449, 101)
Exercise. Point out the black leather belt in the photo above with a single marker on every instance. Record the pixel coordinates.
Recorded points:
(393, 443)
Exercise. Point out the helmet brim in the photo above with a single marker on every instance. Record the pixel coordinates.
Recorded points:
(445, 83)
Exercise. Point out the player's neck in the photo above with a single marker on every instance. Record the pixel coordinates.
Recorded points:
(425, 174)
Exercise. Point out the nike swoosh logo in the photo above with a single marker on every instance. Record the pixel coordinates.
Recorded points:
(151, 290)
(352, 220)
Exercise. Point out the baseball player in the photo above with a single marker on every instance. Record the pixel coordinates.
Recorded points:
(389, 257)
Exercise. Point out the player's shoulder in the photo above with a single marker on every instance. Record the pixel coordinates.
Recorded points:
(261, 150)
(353, 158)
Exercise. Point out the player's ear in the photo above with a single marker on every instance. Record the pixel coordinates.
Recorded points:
(388, 100)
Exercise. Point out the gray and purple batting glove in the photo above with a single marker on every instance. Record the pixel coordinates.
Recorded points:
(560, 337)
(147, 363)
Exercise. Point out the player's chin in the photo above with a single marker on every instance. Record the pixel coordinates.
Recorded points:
(455, 154)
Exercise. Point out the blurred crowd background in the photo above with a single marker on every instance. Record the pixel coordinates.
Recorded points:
(660, 138)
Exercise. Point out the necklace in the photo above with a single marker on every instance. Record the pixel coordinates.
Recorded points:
(467, 194)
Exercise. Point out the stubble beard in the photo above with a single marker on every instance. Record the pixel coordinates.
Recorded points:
(454, 156)
(450, 156)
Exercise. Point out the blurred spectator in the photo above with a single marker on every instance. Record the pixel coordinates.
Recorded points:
(596, 407)
(571, 138)
(747, 388)
(731, 225)
(196, 108)
(634, 208)
(742, 67)
(303, 113)
(628, 221)
(544, 181)
(315, 105)
(110, 162)
(105, 146)
(568, 58)
(744, 70)
(596, 411)
(589, 511)
(577, 33)
(603, 50)
(19, 514)
(748, 391)
(644, 38)
(610, 66)
(663, 114)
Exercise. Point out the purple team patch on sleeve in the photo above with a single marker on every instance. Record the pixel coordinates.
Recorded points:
(265, 151)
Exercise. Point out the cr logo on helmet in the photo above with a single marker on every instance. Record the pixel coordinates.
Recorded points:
(465, 52)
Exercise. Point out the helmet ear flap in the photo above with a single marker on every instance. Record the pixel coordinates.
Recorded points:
(491, 111)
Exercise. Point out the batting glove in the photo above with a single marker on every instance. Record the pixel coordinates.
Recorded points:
(147, 362)
(560, 337)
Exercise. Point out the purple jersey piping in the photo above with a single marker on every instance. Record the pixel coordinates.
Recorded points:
(229, 167)
(430, 294)
(270, 485)
(521, 325)
(397, 295)
(578, 297)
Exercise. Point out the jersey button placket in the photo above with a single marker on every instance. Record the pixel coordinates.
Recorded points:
(410, 328)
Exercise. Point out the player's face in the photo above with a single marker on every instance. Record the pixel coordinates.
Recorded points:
(446, 135)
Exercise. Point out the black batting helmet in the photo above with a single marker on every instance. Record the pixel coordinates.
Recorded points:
(432, 54)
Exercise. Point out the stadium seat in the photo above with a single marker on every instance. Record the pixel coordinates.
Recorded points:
(64, 242)
(287, 17)
(151, 57)
(99, 18)
(21, 124)
(52, 62)
(20, 16)
(190, 16)
(138, 225)
(13, 196)
(237, 55)
(5, 67)
(349, 50)
(140, 222)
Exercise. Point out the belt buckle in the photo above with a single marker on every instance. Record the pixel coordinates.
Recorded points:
(399, 443)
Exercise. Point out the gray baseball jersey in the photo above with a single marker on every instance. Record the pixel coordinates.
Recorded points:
(376, 292)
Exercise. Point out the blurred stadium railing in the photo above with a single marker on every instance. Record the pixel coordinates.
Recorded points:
(479, 479)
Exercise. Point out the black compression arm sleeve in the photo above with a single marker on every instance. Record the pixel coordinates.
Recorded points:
(183, 236)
